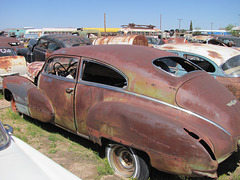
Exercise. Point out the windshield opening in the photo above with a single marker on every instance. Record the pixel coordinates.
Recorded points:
(175, 65)
(232, 66)
(4, 138)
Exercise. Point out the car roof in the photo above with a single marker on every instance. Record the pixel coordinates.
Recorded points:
(120, 56)
(218, 54)
(66, 40)
(4, 41)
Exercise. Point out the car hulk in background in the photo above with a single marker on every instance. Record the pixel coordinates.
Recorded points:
(125, 98)
(10, 63)
(38, 49)
(223, 63)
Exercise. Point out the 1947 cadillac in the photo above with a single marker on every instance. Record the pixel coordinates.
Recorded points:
(126, 98)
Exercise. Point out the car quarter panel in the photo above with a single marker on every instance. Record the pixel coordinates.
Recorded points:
(157, 129)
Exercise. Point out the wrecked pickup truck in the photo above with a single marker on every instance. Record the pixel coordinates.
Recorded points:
(127, 99)
(38, 50)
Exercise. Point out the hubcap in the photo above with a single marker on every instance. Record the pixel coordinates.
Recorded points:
(123, 161)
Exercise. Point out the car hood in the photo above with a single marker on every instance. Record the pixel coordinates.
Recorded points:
(21, 161)
(206, 97)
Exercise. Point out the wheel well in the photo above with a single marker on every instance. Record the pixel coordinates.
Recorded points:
(142, 154)
(8, 95)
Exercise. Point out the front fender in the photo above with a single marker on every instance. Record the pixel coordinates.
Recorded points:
(28, 98)
(18, 87)
(40, 106)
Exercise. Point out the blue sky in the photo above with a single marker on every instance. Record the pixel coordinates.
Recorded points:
(90, 13)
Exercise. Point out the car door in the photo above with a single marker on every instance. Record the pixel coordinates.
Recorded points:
(39, 50)
(58, 81)
(97, 82)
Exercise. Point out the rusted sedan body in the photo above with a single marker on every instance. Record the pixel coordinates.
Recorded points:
(221, 62)
(126, 98)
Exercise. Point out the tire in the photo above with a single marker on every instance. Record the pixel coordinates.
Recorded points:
(126, 163)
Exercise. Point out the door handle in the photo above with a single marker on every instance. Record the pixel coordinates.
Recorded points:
(69, 90)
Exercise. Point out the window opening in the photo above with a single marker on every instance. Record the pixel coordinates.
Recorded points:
(99, 73)
(202, 63)
(175, 65)
(64, 67)
(53, 46)
(42, 44)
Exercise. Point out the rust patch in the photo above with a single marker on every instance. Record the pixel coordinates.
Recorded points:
(6, 62)
(34, 68)
(132, 40)
(214, 55)
(170, 48)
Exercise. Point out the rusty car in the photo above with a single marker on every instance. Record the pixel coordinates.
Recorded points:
(221, 62)
(11, 42)
(10, 63)
(38, 50)
(126, 98)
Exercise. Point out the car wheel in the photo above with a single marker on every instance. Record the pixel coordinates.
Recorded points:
(125, 162)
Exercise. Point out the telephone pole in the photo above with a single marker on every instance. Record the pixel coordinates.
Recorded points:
(179, 24)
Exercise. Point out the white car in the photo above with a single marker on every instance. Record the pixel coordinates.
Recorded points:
(20, 161)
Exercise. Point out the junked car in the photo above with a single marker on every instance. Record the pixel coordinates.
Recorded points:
(11, 42)
(20, 161)
(10, 63)
(39, 49)
(126, 99)
(221, 62)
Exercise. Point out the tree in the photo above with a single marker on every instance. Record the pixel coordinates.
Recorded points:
(229, 27)
(197, 32)
(191, 27)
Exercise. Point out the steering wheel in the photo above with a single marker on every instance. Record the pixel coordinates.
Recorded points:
(59, 72)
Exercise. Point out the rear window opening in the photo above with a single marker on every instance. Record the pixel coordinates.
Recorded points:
(102, 74)
(202, 63)
(175, 65)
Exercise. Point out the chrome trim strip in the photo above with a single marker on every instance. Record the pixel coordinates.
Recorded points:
(59, 77)
(155, 100)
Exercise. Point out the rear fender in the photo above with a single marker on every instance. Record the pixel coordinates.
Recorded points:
(168, 142)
